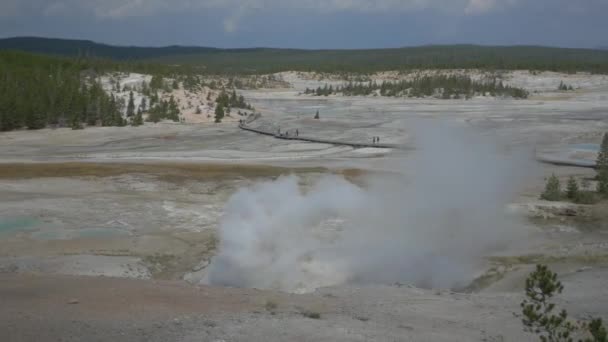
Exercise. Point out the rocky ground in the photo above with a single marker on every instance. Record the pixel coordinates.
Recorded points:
(101, 229)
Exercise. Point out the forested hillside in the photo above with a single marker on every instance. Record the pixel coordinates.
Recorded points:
(36, 91)
(266, 60)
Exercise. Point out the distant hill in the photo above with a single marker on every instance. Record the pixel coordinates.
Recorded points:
(263, 60)
(74, 48)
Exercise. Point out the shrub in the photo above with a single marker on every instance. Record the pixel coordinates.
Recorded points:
(271, 305)
(552, 189)
(311, 314)
(586, 197)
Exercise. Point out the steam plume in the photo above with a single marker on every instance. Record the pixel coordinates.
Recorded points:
(430, 226)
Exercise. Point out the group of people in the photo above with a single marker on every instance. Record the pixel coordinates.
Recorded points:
(297, 132)
(375, 140)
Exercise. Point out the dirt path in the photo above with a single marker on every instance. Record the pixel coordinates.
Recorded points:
(62, 308)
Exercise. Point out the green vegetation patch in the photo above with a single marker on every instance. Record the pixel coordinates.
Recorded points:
(442, 86)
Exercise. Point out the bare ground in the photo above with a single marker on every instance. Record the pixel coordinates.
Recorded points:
(59, 308)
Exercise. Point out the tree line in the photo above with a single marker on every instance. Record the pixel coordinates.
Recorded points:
(203, 60)
(443, 86)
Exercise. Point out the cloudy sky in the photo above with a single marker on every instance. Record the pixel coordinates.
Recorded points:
(311, 23)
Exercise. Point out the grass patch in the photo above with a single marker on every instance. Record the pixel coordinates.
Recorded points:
(170, 172)
(532, 259)
(160, 265)
(493, 275)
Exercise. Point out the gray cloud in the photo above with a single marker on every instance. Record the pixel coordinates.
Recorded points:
(9, 8)
(311, 23)
(238, 9)
(126, 8)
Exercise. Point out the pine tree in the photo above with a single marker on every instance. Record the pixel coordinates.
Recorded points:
(233, 98)
(542, 317)
(145, 89)
(143, 106)
(585, 184)
(138, 120)
(131, 106)
(219, 113)
(572, 189)
(602, 167)
(552, 189)
(538, 311)
(156, 83)
(173, 110)
(117, 118)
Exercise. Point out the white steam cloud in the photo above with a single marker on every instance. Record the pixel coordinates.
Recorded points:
(430, 227)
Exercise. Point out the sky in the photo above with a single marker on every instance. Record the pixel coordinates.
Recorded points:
(311, 24)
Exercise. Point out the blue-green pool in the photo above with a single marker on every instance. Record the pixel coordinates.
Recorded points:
(587, 147)
(12, 225)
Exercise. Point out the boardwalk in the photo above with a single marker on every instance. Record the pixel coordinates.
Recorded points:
(244, 126)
